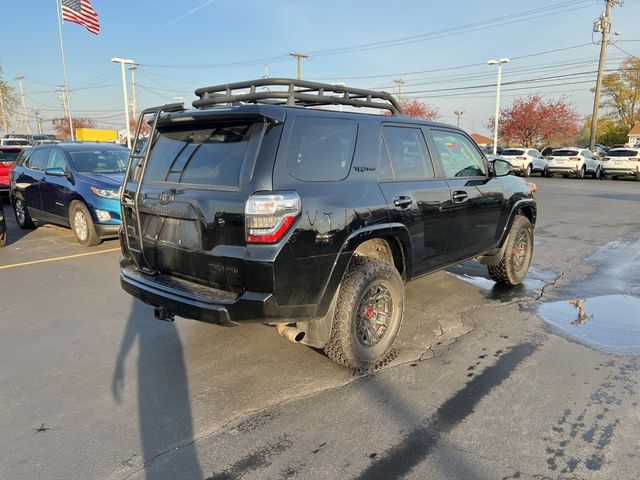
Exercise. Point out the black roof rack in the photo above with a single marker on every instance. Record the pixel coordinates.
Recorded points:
(296, 93)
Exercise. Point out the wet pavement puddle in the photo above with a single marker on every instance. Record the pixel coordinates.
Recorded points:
(609, 323)
(476, 275)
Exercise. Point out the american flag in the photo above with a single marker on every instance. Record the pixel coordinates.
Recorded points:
(82, 13)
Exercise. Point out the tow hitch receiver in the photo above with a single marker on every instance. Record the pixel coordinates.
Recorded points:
(163, 314)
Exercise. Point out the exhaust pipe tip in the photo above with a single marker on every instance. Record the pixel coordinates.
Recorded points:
(292, 334)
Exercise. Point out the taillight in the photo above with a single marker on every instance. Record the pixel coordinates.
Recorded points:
(635, 159)
(268, 216)
(6, 164)
(606, 159)
(521, 158)
(549, 158)
(577, 159)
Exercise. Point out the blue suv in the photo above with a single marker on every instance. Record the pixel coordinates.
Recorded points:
(70, 184)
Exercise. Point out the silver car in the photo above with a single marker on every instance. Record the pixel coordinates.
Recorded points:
(525, 161)
(574, 161)
(622, 161)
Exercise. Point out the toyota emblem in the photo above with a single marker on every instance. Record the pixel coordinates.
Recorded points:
(166, 197)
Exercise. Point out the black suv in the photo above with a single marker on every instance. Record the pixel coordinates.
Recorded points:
(252, 208)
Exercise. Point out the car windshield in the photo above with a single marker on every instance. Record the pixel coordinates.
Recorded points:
(15, 142)
(512, 151)
(100, 160)
(565, 153)
(8, 156)
(623, 153)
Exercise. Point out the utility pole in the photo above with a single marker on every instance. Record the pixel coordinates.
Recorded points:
(36, 112)
(4, 114)
(496, 118)
(133, 89)
(25, 119)
(298, 56)
(399, 82)
(603, 25)
(65, 107)
(458, 113)
(122, 62)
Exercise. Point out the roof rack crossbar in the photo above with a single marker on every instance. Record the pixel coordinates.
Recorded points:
(298, 92)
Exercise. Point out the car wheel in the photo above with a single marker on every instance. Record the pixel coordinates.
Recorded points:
(82, 225)
(527, 171)
(22, 214)
(637, 176)
(565, 175)
(548, 174)
(514, 265)
(581, 172)
(614, 177)
(368, 313)
(597, 174)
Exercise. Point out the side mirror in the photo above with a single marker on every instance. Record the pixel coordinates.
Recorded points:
(56, 172)
(501, 167)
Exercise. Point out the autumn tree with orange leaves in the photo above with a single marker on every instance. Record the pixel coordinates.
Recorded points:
(417, 109)
(534, 121)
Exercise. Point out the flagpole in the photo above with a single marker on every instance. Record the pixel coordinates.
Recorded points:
(64, 69)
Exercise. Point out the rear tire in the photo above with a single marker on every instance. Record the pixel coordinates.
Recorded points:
(23, 219)
(637, 176)
(368, 313)
(597, 174)
(517, 254)
(548, 174)
(82, 225)
(527, 171)
(581, 173)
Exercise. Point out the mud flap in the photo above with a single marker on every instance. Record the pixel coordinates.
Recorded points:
(318, 332)
(494, 258)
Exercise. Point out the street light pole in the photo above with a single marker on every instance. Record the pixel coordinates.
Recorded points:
(458, 113)
(122, 62)
(24, 107)
(495, 123)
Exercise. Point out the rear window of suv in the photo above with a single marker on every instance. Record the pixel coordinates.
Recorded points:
(210, 156)
(512, 152)
(565, 153)
(623, 153)
(321, 149)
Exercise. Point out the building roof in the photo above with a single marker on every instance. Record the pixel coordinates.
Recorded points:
(481, 139)
(635, 130)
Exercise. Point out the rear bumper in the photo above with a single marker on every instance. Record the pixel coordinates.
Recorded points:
(620, 171)
(565, 170)
(206, 304)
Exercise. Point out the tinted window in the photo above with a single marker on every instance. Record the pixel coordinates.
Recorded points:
(24, 155)
(512, 151)
(15, 142)
(100, 160)
(56, 160)
(623, 153)
(565, 153)
(38, 159)
(8, 156)
(321, 149)
(458, 155)
(211, 156)
(408, 152)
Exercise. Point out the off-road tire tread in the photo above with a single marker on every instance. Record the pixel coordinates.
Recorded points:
(339, 348)
(499, 272)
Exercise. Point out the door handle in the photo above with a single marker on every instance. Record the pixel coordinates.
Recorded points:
(402, 201)
(459, 196)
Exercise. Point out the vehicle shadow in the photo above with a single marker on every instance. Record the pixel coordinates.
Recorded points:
(164, 407)
(14, 233)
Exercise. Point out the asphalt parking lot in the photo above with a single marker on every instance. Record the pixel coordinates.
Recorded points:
(484, 382)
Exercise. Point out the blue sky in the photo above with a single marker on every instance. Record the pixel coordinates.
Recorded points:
(184, 45)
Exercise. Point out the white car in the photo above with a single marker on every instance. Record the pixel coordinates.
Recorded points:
(574, 161)
(622, 161)
(525, 161)
(21, 142)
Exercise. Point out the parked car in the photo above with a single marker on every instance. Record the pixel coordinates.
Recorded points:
(525, 161)
(3, 227)
(8, 156)
(547, 151)
(308, 219)
(622, 161)
(574, 161)
(15, 141)
(70, 184)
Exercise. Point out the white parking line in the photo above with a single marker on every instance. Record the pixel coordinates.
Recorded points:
(55, 259)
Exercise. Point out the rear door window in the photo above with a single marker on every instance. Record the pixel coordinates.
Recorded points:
(321, 149)
(210, 156)
(408, 152)
(458, 155)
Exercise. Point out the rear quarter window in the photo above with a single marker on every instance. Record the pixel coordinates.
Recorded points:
(321, 149)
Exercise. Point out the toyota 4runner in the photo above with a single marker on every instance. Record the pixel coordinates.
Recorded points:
(260, 204)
